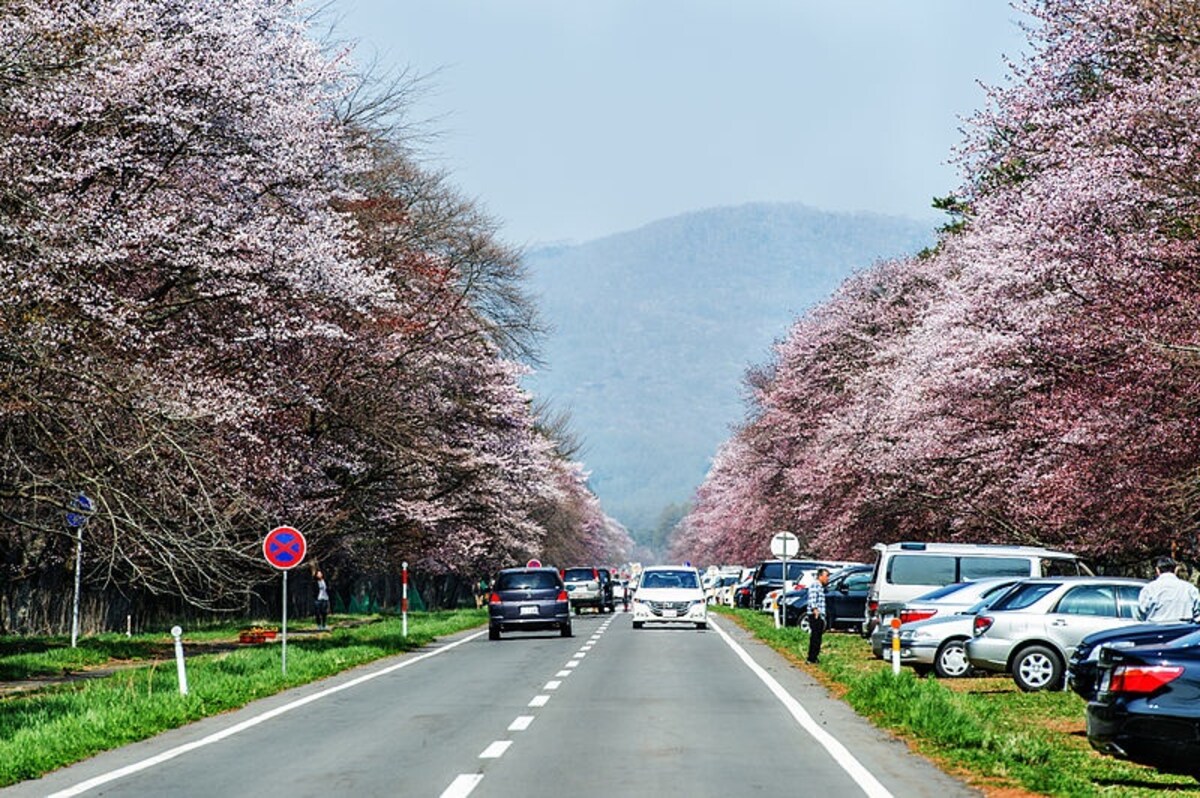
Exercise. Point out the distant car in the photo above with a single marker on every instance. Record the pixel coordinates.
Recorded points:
(939, 602)
(586, 588)
(1033, 630)
(1145, 708)
(845, 600)
(670, 594)
(743, 594)
(1082, 670)
(528, 599)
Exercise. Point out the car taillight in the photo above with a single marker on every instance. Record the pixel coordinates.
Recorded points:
(873, 607)
(1143, 678)
(562, 595)
(595, 574)
(908, 616)
(982, 624)
(494, 598)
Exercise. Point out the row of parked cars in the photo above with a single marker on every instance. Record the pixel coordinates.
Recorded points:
(1042, 617)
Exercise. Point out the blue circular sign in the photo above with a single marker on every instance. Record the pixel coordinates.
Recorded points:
(81, 506)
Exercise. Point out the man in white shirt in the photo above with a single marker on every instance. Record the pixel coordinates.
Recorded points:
(1168, 599)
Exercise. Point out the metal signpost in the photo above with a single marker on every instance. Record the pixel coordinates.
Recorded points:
(284, 548)
(77, 517)
(784, 545)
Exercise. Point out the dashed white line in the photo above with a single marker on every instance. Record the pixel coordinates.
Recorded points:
(539, 701)
(496, 749)
(553, 684)
(579, 655)
(461, 787)
(573, 663)
(564, 673)
(521, 723)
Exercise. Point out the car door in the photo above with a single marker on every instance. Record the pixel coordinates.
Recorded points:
(1084, 609)
(846, 599)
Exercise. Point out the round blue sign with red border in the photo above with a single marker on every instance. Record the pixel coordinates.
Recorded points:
(284, 547)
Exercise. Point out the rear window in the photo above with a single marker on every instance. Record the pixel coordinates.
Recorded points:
(986, 567)
(921, 569)
(579, 575)
(1023, 596)
(530, 580)
(796, 569)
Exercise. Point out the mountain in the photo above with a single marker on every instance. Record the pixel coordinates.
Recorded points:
(653, 330)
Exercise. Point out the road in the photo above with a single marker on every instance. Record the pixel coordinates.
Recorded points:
(613, 711)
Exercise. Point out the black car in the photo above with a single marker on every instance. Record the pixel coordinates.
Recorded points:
(528, 599)
(1146, 708)
(743, 594)
(845, 599)
(1081, 668)
(768, 576)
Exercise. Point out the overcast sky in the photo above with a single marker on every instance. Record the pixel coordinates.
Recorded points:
(573, 119)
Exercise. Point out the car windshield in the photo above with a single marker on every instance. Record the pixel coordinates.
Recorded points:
(668, 579)
(527, 580)
(579, 575)
(943, 592)
(1024, 595)
(993, 595)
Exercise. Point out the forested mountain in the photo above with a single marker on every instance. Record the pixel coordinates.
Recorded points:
(654, 329)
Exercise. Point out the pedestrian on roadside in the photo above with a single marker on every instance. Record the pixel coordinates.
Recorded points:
(481, 592)
(816, 614)
(322, 604)
(1168, 599)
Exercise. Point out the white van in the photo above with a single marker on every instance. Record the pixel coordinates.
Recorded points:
(906, 570)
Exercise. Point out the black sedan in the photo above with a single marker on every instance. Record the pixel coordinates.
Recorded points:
(528, 599)
(1147, 705)
(845, 599)
(1081, 668)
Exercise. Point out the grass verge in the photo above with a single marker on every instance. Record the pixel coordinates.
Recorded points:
(59, 725)
(983, 730)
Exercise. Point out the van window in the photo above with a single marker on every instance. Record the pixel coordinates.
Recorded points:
(921, 569)
(1056, 566)
(985, 567)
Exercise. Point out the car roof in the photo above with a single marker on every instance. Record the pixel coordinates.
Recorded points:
(522, 569)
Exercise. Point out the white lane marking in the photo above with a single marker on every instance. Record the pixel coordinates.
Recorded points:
(579, 654)
(869, 784)
(521, 723)
(496, 749)
(539, 701)
(553, 684)
(461, 787)
(563, 673)
(586, 648)
(158, 759)
(573, 663)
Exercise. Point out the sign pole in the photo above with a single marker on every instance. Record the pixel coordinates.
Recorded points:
(284, 548)
(78, 568)
(284, 647)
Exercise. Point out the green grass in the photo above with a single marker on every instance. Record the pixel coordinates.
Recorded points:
(56, 726)
(982, 729)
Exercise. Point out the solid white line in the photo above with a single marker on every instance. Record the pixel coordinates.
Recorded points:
(461, 787)
(539, 701)
(521, 723)
(553, 684)
(869, 784)
(136, 767)
(496, 749)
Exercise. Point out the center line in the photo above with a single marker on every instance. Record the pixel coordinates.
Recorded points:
(521, 723)
(496, 749)
(573, 663)
(461, 787)
(539, 701)
(552, 685)
(563, 673)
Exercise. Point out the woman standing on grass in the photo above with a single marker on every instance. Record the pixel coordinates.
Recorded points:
(322, 605)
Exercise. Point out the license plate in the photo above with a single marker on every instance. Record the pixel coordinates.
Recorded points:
(669, 613)
(529, 610)
(1105, 681)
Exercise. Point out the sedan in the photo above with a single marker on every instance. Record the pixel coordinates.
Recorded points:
(939, 644)
(670, 594)
(941, 602)
(1082, 667)
(845, 600)
(1146, 708)
(528, 599)
(1032, 631)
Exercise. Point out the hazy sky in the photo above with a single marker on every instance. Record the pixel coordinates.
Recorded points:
(573, 119)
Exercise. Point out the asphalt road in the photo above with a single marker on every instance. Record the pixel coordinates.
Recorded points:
(669, 711)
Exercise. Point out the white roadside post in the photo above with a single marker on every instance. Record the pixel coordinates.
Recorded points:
(77, 517)
(177, 632)
(404, 599)
(895, 646)
(284, 548)
(783, 545)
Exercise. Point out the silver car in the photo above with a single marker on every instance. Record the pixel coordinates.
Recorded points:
(939, 643)
(1032, 631)
(941, 602)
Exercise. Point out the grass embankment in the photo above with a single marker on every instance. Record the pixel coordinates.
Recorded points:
(57, 725)
(983, 730)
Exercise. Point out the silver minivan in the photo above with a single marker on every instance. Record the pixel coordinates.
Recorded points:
(906, 570)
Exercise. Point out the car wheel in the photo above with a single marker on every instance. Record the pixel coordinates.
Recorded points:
(702, 625)
(637, 624)
(493, 633)
(951, 660)
(1037, 668)
(565, 629)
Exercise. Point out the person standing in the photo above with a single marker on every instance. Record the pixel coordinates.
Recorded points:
(1168, 599)
(816, 614)
(322, 604)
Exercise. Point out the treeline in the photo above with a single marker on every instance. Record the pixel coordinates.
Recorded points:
(1035, 378)
(231, 297)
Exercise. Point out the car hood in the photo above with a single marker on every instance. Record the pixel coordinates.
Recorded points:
(669, 594)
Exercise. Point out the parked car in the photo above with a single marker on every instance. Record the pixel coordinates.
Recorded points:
(939, 643)
(1033, 630)
(768, 576)
(845, 597)
(721, 589)
(670, 594)
(528, 599)
(939, 602)
(1145, 708)
(1081, 668)
(743, 594)
(586, 588)
(904, 571)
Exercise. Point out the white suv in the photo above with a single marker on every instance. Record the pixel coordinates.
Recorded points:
(670, 594)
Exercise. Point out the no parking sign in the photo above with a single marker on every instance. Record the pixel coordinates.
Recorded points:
(284, 547)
